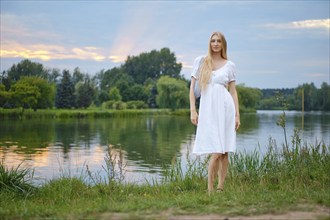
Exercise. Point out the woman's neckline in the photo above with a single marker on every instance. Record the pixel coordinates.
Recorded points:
(221, 66)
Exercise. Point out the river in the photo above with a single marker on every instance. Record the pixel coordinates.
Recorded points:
(65, 147)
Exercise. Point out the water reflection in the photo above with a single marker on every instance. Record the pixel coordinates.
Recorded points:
(54, 147)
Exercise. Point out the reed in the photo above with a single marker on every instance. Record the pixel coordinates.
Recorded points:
(85, 113)
(298, 165)
(16, 179)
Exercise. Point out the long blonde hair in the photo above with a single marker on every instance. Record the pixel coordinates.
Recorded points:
(206, 68)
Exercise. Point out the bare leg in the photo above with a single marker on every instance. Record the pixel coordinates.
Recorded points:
(212, 171)
(219, 171)
(223, 171)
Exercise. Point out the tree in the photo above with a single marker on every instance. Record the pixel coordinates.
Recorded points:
(84, 93)
(47, 91)
(78, 76)
(114, 94)
(25, 94)
(150, 87)
(53, 75)
(103, 96)
(110, 78)
(324, 97)
(33, 92)
(248, 97)
(137, 92)
(152, 65)
(26, 68)
(4, 95)
(65, 97)
(172, 93)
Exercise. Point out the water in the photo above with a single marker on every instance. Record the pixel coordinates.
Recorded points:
(57, 147)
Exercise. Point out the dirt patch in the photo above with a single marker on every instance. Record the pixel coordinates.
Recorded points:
(318, 212)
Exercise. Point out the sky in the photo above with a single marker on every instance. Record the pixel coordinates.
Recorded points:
(274, 44)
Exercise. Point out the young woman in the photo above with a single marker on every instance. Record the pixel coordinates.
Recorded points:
(218, 117)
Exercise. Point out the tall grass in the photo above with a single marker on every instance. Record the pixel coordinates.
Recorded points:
(296, 165)
(192, 178)
(114, 169)
(293, 166)
(16, 179)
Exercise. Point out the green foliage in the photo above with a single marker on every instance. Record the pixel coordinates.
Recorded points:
(152, 65)
(114, 94)
(25, 94)
(15, 179)
(136, 79)
(248, 97)
(103, 96)
(65, 97)
(77, 76)
(4, 95)
(136, 105)
(172, 93)
(112, 77)
(84, 93)
(137, 92)
(32, 92)
(323, 96)
(26, 68)
(314, 98)
(113, 104)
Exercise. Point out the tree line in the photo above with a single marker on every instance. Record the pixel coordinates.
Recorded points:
(148, 80)
(306, 96)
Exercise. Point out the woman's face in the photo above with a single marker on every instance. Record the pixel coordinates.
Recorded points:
(216, 44)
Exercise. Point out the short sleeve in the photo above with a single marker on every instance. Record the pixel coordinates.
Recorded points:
(196, 67)
(232, 72)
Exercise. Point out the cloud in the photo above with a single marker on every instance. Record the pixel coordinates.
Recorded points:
(19, 40)
(19, 28)
(316, 75)
(305, 24)
(46, 52)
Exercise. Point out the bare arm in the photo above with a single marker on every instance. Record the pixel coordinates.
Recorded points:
(233, 92)
(192, 99)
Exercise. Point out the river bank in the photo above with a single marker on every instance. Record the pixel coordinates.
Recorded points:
(277, 183)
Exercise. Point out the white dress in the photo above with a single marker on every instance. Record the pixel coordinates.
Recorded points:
(216, 121)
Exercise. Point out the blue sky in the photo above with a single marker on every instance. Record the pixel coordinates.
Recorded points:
(274, 44)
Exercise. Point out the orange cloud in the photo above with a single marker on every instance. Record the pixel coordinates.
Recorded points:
(117, 59)
(48, 52)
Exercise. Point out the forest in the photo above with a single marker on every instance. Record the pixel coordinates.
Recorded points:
(148, 80)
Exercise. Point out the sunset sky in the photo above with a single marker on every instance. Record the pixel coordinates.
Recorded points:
(274, 44)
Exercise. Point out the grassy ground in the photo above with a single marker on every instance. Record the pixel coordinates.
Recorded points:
(19, 113)
(85, 113)
(295, 177)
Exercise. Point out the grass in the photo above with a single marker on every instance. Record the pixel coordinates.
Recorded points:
(278, 181)
(85, 113)
(18, 113)
(15, 179)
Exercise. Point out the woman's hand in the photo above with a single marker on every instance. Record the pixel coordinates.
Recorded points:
(237, 122)
(194, 117)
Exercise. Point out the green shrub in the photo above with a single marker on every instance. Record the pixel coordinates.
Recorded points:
(108, 104)
(137, 104)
